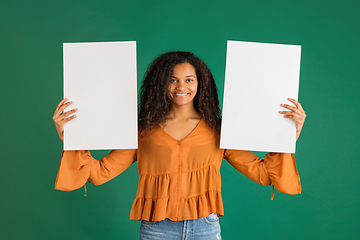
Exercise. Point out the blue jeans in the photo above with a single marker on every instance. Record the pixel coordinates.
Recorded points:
(207, 228)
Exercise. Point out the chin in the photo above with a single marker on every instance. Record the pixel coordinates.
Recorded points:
(182, 103)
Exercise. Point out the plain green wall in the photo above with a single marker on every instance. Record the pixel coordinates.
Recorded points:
(31, 37)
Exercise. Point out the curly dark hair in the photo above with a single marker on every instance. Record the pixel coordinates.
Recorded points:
(154, 103)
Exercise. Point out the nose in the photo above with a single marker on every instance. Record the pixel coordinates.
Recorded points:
(180, 85)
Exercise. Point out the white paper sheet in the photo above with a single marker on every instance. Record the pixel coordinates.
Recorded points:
(100, 78)
(259, 77)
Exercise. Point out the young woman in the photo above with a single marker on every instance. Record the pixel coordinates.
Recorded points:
(178, 155)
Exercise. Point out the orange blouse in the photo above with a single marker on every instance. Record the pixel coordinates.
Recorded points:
(179, 180)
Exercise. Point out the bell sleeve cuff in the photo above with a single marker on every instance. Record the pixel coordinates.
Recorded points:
(282, 171)
(278, 169)
(77, 167)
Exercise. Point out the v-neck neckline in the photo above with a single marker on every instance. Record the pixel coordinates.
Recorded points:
(186, 135)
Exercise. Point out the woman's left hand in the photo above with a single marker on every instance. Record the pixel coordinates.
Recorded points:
(297, 114)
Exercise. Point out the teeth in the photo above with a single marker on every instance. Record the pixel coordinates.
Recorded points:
(181, 94)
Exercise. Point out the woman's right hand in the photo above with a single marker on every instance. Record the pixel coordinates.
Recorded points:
(61, 118)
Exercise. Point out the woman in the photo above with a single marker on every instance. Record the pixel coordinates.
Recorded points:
(178, 155)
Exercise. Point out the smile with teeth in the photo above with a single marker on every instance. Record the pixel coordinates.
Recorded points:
(181, 94)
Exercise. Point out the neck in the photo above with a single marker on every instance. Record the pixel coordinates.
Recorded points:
(182, 112)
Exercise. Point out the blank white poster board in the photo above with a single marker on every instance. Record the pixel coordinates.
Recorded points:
(259, 77)
(100, 78)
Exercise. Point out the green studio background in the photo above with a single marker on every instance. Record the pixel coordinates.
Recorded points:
(32, 33)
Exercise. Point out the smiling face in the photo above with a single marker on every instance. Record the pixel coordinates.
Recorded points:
(183, 85)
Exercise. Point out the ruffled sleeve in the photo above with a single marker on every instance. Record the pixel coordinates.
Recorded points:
(78, 167)
(276, 168)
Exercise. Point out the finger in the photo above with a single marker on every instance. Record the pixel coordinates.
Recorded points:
(286, 112)
(292, 114)
(300, 111)
(288, 106)
(64, 115)
(302, 114)
(65, 120)
(68, 119)
(60, 108)
(61, 121)
(61, 103)
(63, 107)
(298, 119)
(297, 104)
(68, 113)
(58, 117)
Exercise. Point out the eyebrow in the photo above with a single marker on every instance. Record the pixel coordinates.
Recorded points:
(186, 76)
